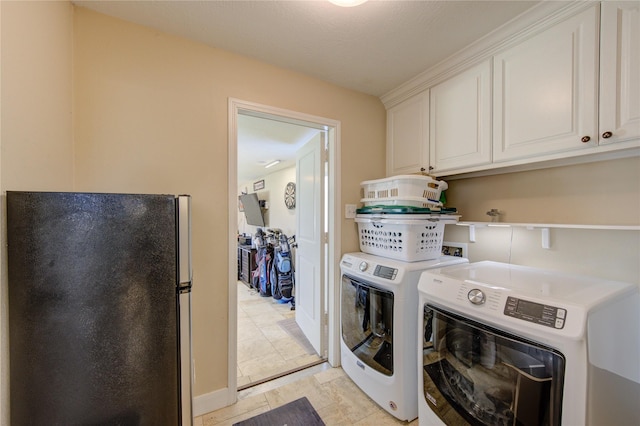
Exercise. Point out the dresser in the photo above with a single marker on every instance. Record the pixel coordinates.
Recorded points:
(246, 263)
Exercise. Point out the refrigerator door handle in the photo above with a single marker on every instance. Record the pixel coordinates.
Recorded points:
(184, 240)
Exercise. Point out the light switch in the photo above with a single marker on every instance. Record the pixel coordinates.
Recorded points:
(350, 211)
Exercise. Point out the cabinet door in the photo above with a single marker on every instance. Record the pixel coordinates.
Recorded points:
(460, 120)
(620, 72)
(408, 136)
(545, 91)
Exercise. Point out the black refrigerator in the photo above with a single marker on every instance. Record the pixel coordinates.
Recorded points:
(99, 308)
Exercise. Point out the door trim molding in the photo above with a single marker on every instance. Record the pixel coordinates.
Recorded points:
(235, 106)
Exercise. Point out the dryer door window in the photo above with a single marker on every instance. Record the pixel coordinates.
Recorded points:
(475, 374)
(367, 323)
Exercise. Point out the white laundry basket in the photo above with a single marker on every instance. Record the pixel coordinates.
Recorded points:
(403, 190)
(409, 240)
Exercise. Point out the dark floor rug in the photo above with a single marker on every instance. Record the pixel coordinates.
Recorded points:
(291, 327)
(296, 413)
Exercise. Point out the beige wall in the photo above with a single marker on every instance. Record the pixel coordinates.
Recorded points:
(277, 215)
(36, 124)
(601, 193)
(151, 116)
(37, 139)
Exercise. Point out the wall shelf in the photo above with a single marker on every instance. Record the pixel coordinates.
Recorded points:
(545, 228)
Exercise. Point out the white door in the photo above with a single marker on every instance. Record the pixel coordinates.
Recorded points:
(309, 290)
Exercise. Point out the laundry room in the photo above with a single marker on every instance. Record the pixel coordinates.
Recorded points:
(524, 109)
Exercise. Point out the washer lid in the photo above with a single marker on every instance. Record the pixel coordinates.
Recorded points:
(541, 284)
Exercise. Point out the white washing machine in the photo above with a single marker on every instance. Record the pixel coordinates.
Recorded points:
(504, 344)
(378, 325)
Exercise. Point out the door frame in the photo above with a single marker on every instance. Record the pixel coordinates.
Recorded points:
(235, 106)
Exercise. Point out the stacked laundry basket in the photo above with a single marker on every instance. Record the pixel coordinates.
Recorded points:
(403, 218)
(400, 230)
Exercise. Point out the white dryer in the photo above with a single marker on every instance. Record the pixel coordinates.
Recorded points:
(378, 326)
(503, 344)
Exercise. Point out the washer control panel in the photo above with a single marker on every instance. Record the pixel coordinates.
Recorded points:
(385, 272)
(369, 268)
(537, 313)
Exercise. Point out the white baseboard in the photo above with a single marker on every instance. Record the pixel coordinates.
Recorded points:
(212, 401)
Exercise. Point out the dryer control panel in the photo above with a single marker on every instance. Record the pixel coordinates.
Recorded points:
(537, 313)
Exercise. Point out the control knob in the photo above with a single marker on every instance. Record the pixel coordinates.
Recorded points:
(476, 296)
(363, 266)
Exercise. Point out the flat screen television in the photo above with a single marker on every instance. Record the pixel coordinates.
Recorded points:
(252, 210)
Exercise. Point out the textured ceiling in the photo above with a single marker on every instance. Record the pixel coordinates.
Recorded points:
(371, 48)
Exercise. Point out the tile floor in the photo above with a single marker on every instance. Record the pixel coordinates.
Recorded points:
(265, 349)
(335, 397)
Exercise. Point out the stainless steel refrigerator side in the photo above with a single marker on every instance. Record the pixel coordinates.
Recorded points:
(183, 203)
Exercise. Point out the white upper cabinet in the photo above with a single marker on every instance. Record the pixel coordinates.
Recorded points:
(408, 136)
(559, 85)
(460, 120)
(620, 72)
(545, 91)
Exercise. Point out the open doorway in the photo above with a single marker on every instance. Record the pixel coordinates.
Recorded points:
(270, 342)
(255, 318)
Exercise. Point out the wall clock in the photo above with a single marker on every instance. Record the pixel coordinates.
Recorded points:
(290, 195)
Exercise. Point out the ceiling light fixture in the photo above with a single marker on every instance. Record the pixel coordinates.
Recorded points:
(271, 164)
(347, 3)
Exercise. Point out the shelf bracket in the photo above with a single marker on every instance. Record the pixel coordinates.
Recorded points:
(546, 238)
(472, 233)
